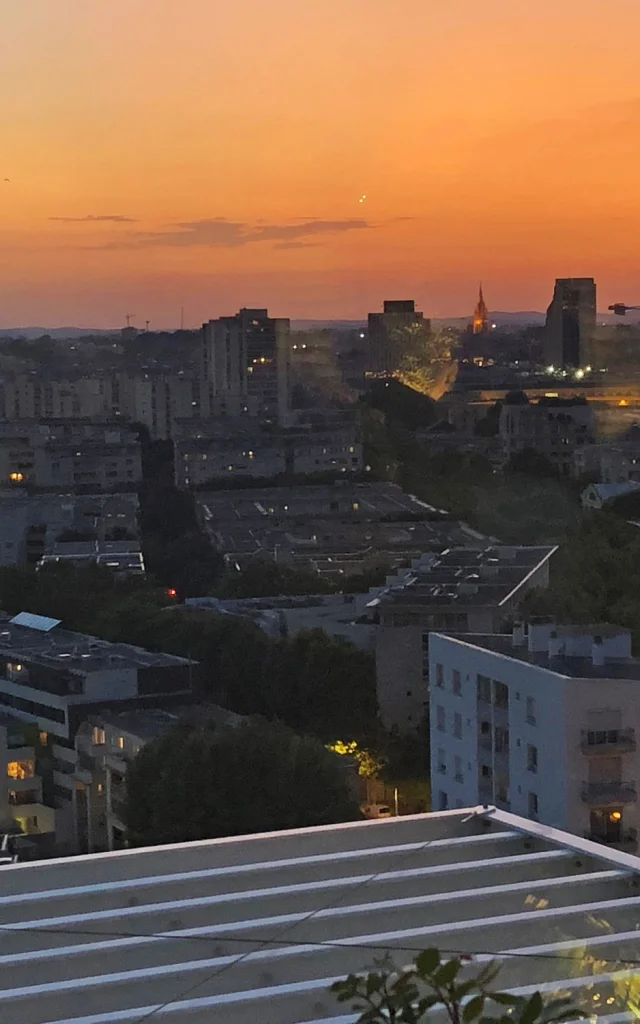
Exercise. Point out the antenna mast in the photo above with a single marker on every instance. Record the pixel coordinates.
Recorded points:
(129, 317)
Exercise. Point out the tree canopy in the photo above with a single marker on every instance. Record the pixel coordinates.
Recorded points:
(229, 781)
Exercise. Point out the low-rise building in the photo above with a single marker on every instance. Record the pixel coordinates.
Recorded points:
(106, 743)
(596, 496)
(543, 724)
(463, 589)
(53, 678)
(24, 760)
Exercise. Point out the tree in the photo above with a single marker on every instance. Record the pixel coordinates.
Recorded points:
(232, 780)
(410, 994)
(263, 578)
(532, 462)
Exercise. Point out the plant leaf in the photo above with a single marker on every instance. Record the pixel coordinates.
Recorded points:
(531, 1010)
(427, 962)
(473, 1009)
(447, 973)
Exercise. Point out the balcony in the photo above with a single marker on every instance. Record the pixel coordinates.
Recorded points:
(609, 792)
(618, 741)
(626, 840)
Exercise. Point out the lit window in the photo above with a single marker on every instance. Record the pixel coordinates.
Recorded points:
(100, 788)
(20, 769)
(43, 737)
(98, 736)
(16, 477)
(120, 742)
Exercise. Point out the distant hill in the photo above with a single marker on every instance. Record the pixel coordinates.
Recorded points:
(54, 332)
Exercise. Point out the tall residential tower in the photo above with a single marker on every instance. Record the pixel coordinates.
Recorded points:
(571, 323)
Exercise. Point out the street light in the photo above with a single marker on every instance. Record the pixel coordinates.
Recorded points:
(620, 309)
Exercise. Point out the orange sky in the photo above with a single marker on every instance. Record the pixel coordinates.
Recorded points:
(494, 139)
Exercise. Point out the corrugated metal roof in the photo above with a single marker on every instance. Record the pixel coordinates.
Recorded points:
(253, 930)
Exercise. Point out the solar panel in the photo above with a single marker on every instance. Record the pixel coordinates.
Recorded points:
(39, 622)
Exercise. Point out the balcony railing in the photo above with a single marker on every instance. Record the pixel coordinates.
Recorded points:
(627, 839)
(609, 792)
(620, 741)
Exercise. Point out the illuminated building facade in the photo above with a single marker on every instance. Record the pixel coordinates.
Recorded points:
(480, 315)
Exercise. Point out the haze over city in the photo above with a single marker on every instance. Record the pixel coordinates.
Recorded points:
(314, 158)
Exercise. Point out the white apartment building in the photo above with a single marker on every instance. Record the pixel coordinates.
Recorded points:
(542, 724)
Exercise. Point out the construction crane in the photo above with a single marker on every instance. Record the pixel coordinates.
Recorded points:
(620, 309)
(129, 317)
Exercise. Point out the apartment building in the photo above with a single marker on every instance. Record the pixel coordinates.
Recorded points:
(542, 723)
(554, 427)
(53, 678)
(227, 449)
(246, 362)
(35, 526)
(106, 744)
(470, 590)
(74, 454)
(24, 759)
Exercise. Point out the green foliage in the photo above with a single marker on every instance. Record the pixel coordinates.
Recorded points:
(401, 404)
(530, 461)
(225, 781)
(269, 579)
(409, 994)
(595, 576)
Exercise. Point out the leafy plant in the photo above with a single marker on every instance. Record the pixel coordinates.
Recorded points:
(407, 995)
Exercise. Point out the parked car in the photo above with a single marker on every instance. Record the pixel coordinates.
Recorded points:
(376, 811)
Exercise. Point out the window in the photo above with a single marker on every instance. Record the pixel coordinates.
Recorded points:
(457, 726)
(120, 742)
(97, 737)
(443, 801)
(484, 689)
(501, 740)
(440, 723)
(20, 769)
(533, 805)
(442, 764)
(439, 676)
(532, 758)
(485, 771)
(500, 695)
(531, 710)
(100, 787)
(456, 682)
(43, 736)
(457, 769)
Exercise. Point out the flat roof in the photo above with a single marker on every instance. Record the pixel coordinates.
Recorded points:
(253, 930)
(463, 575)
(568, 666)
(63, 648)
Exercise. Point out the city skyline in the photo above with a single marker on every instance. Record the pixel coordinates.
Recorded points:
(319, 167)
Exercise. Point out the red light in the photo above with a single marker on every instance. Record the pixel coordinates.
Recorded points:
(171, 592)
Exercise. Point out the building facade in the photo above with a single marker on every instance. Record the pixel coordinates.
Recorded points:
(543, 724)
(246, 365)
(53, 678)
(571, 324)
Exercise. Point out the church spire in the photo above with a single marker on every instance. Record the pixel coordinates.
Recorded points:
(480, 314)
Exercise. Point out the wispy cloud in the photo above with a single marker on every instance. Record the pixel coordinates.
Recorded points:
(112, 218)
(217, 232)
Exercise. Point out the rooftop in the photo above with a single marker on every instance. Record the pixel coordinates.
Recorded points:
(579, 665)
(487, 576)
(150, 723)
(58, 647)
(253, 930)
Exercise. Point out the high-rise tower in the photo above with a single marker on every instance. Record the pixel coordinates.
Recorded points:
(480, 315)
(571, 323)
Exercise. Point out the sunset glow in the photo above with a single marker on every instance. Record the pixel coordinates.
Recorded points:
(314, 157)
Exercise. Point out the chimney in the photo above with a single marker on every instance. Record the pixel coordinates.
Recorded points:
(539, 635)
(597, 651)
(519, 636)
(556, 646)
